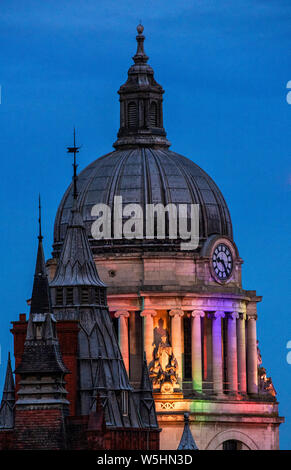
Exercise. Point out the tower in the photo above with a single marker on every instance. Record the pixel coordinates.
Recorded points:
(41, 404)
(187, 309)
(43, 413)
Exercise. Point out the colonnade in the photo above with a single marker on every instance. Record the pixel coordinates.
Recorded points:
(241, 347)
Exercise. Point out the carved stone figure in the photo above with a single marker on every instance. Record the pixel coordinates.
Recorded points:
(265, 383)
(163, 368)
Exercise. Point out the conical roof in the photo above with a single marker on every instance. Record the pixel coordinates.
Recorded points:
(40, 299)
(42, 353)
(8, 398)
(76, 266)
(187, 441)
(146, 401)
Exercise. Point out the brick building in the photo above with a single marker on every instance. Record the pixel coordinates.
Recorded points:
(72, 390)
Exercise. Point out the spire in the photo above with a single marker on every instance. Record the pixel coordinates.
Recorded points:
(76, 265)
(41, 363)
(74, 150)
(40, 237)
(8, 399)
(187, 442)
(141, 101)
(146, 401)
(40, 300)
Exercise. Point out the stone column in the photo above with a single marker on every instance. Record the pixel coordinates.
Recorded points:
(148, 332)
(123, 315)
(241, 354)
(176, 335)
(217, 352)
(232, 352)
(252, 357)
(196, 350)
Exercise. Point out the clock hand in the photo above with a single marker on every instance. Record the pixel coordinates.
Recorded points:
(221, 260)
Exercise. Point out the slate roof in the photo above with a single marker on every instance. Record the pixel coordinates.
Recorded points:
(41, 349)
(8, 399)
(76, 266)
(187, 441)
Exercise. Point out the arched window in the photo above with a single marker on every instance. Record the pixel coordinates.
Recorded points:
(153, 114)
(132, 114)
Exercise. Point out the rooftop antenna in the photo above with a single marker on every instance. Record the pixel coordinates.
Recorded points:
(74, 150)
(40, 237)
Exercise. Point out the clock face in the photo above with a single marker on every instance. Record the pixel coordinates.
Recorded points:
(222, 262)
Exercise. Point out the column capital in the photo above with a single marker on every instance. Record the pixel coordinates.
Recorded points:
(233, 315)
(148, 313)
(198, 313)
(121, 313)
(242, 316)
(252, 317)
(219, 314)
(176, 313)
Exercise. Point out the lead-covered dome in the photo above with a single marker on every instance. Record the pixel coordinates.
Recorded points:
(144, 175)
(143, 170)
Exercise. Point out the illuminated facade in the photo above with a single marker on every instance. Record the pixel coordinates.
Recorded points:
(186, 309)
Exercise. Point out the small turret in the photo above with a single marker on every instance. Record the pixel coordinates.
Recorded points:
(8, 399)
(187, 441)
(76, 281)
(41, 369)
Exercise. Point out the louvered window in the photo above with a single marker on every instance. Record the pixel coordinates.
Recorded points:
(70, 296)
(132, 115)
(97, 296)
(102, 297)
(59, 296)
(85, 295)
(153, 114)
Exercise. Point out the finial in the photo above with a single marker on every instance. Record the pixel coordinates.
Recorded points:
(74, 150)
(140, 56)
(140, 28)
(40, 237)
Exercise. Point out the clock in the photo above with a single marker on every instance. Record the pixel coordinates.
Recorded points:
(222, 262)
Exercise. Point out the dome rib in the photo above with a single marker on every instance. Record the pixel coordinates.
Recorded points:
(194, 191)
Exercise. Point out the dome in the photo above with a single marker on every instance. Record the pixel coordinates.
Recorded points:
(142, 170)
(144, 176)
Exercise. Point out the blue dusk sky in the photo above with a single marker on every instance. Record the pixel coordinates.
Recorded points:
(224, 67)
